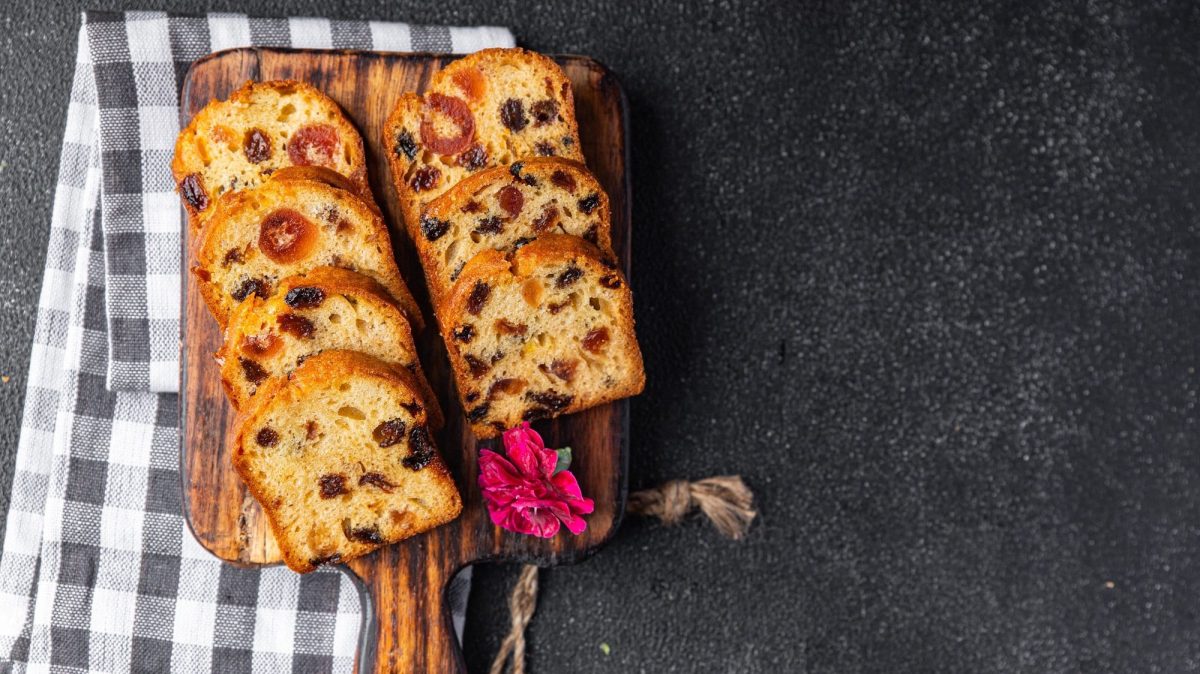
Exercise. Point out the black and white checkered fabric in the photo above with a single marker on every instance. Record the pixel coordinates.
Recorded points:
(99, 571)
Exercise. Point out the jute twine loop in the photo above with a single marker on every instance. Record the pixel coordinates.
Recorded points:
(521, 605)
(725, 500)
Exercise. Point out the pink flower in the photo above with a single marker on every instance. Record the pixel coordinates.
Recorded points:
(523, 492)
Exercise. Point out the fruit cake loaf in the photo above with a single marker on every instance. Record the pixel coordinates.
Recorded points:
(491, 108)
(546, 333)
(341, 458)
(504, 207)
(327, 308)
(263, 126)
(287, 226)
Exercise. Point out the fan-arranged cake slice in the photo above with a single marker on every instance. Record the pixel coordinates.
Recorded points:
(327, 308)
(341, 458)
(491, 108)
(504, 207)
(546, 333)
(238, 143)
(290, 225)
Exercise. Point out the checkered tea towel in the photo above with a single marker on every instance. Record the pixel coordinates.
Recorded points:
(99, 571)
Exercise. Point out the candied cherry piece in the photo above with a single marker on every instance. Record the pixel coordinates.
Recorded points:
(313, 145)
(286, 236)
(511, 200)
(457, 112)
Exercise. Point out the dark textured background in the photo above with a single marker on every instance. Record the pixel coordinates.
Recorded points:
(926, 277)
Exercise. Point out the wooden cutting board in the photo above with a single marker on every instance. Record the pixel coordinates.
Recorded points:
(407, 624)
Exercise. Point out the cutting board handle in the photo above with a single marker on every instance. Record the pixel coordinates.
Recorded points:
(408, 626)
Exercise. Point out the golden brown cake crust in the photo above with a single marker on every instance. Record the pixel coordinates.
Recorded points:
(309, 313)
(319, 225)
(514, 103)
(220, 151)
(330, 501)
(548, 332)
(505, 207)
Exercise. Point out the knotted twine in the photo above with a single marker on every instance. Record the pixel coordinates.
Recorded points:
(725, 500)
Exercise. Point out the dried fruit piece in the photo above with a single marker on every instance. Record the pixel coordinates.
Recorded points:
(547, 219)
(232, 256)
(610, 281)
(508, 386)
(255, 374)
(369, 534)
(298, 326)
(433, 229)
(479, 297)
(262, 346)
(286, 236)
(564, 180)
(511, 200)
(512, 114)
(504, 327)
(376, 480)
(459, 115)
(564, 369)
(544, 111)
(570, 275)
(412, 407)
(313, 145)
(326, 559)
(311, 428)
(266, 437)
(405, 145)
(251, 286)
(551, 400)
(471, 206)
(543, 149)
(592, 235)
(193, 192)
(304, 297)
(332, 484)
(490, 225)
(425, 178)
(464, 333)
(479, 413)
(256, 146)
(471, 82)
(421, 450)
(595, 340)
(478, 367)
(389, 432)
(589, 203)
(474, 158)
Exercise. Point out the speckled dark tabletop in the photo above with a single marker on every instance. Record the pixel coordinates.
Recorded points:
(927, 277)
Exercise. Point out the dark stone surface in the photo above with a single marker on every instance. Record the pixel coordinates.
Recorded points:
(926, 277)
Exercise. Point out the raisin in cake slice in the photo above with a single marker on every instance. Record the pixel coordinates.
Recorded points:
(491, 108)
(547, 333)
(263, 126)
(504, 207)
(290, 225)
(327, 308)
(341, 458)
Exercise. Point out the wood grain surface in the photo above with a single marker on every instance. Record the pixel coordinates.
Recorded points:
(408, 625)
